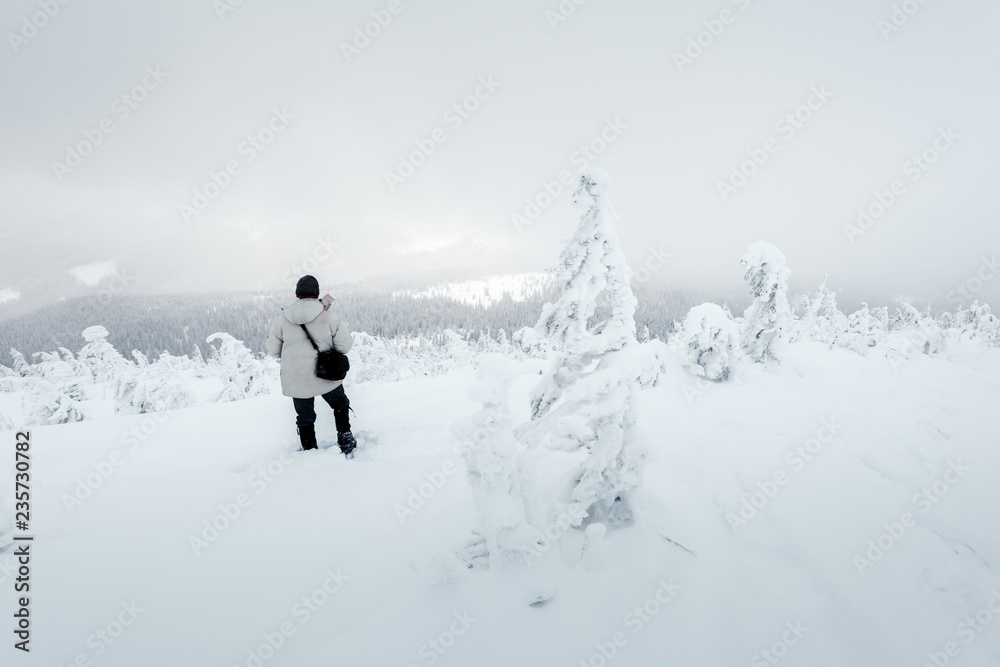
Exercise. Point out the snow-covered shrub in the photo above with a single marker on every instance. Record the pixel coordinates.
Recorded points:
(243, 375)
(767, 322)
(155, 387)
(5, 423)
(912, 332)
(530, 344)
(45, 403)
(865, 329)
(100, 357)
(11, 381)
(822, 321)
(374, 358)
(490, 452)
(487, 344)
(21, 366)
(711, 341)
(586, 399)
(51, 388)
(59, 367)
(904, 318)
(456, 352)
(977, 324)
(152, 388)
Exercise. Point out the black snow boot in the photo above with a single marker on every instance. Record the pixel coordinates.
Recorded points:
(307, 436)
(347, 443)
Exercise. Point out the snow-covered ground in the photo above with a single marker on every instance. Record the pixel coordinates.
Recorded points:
(834, 453)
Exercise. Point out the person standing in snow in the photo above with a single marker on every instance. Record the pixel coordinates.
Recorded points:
(288, 342)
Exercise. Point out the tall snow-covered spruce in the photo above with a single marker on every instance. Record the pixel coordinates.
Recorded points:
(586, 400)
(767, 322)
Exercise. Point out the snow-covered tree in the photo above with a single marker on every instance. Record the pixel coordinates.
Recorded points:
(710, 341)
(63, 370)
(977, 324)
(457, 352)
(529, 343)
(20, 365)
(100, 357)
(11, 381)
(491, 452)
(242, 374)
(904, 318)
(767, 322)
(152, 388)
(586, 400)
(865, 329)
(371, 360)
(46, 403)
(822, 321)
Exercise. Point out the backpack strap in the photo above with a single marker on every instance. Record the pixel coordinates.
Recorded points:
(311, 339)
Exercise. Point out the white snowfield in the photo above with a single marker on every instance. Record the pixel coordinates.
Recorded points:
(836, 510)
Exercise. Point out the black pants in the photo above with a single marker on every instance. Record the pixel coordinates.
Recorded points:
(337, 399)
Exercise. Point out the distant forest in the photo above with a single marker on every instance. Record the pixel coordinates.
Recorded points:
(178, 323)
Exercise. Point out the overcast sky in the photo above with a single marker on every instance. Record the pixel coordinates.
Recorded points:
(338, 120)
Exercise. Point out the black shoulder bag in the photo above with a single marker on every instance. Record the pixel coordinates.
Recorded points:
(330, 364)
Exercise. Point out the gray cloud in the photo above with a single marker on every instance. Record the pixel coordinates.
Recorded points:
(323, 176)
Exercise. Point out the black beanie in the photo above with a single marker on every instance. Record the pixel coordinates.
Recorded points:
(307, 288)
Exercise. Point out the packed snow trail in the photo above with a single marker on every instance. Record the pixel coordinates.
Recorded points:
(681, 586)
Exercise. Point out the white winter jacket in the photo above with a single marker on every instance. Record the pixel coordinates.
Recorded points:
(288, 342)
